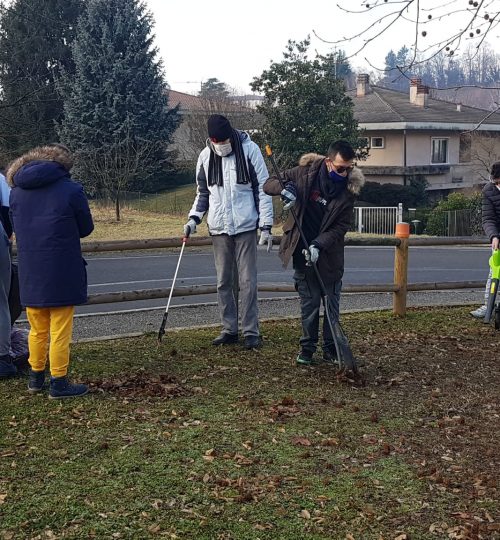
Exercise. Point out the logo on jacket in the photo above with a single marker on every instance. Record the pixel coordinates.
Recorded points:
(316, 197)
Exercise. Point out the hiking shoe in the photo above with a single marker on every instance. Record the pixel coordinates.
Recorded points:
(252, 342)
(61, 388)
(306, 359)
(225, 339)
(7, 368)
(36, 380)
(479, 313)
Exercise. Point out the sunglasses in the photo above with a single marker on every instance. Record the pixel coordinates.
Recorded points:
(342, 170)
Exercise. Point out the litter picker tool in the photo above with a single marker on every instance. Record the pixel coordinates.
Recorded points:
(342, 347)
(161, 332)
(495, 278)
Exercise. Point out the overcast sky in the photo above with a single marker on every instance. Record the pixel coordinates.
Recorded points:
(235, 41)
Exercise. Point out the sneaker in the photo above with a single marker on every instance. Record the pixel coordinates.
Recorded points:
(7, 368)
(36, 380)
(330, 357)
(305, 358)
(479, 313)
(61, 388)
(225, 339)
(253, 342)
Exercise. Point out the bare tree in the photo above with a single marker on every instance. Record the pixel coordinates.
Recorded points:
(114, 167)
(439, 26)
(484, 151)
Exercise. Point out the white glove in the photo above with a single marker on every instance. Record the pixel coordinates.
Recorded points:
(289, 196)
(312, 254)
(189, 228)
(266, 238)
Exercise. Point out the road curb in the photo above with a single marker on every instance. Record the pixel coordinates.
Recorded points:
(177, 329)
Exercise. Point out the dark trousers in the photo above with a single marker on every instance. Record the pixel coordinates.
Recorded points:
(307, 285)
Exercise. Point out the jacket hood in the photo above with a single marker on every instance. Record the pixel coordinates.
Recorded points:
(40, 166)
(355, 181)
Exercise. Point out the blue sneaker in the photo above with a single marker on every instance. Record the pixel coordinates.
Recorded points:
(61, 388)
(7, 368)
(36, 380)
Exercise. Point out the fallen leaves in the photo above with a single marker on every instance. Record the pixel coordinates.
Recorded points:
(141, 385)
(301, 441)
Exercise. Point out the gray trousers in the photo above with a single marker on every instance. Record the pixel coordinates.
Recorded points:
(239, 250)
(5, 325)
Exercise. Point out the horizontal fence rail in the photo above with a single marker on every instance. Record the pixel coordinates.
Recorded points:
(198, 241)
(399, 288)
(194, 290)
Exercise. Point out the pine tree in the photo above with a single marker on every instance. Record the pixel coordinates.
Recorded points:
(305, 107)
(116, 117)
(212, 88)
(35, 37)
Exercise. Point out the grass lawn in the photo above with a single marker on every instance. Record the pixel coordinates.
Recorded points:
(189, 441)
(136, 224)
(154, 216)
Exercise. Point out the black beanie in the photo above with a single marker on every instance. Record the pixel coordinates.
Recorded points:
(219, 127)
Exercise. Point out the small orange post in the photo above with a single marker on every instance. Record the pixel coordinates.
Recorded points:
(401, 269)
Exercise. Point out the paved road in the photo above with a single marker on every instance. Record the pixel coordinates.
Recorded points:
(116, 272)
(122, 272)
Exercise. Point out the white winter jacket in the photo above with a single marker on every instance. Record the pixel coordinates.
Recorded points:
(233, 208)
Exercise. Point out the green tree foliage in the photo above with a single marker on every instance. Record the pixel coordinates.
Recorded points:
(116, 116)
(214, 89)
(395, 69)
(305, 106)
(413, 195)
(35, 38)
(439, 217)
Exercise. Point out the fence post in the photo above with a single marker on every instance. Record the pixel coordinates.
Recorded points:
(360, 220)
(400, 213)
(401, 269)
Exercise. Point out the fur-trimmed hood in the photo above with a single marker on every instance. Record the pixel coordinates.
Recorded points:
(356, 179)
(42, 154)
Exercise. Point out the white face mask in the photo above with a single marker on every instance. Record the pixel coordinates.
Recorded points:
(222, 150)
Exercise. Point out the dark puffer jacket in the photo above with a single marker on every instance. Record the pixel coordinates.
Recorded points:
(491, 211)
(50, 214)
(335, 222)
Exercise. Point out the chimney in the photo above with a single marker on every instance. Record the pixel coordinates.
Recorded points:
(362, 85)
(414, 82)
(422, 95)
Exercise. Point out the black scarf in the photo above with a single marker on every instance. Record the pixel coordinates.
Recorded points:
(215, 176)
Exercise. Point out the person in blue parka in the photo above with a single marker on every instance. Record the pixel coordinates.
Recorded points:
(50, 213)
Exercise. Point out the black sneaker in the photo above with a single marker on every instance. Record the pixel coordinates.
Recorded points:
(253, 342)
(225, 339)
(330, 357)
(7, 368)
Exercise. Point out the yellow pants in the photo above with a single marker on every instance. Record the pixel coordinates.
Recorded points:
(56, 322)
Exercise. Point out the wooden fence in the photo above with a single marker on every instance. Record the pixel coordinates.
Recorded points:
(400, 286)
